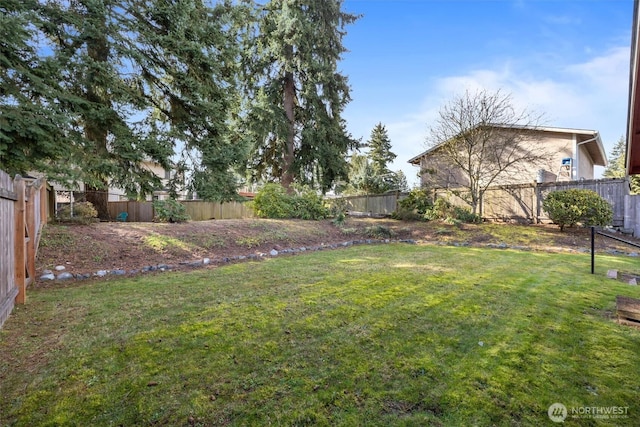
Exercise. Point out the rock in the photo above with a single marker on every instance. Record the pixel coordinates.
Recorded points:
(47, 272)
(65, 276)
(633, 282)
(60, 267)
(206, 261)
(481, 343)
(633, 254)
(101, 273)
(47, 276)
(302, 249)
(119, 272)
(162, 266)
(612, 274)
(241, 257)
(273, 252)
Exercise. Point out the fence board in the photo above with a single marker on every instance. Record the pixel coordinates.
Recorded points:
(197, 210)
(376, 204)
(137, 211)
(23, 211)
(8, 289)
(523, 202)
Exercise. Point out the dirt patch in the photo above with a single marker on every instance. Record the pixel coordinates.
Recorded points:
(127, 246)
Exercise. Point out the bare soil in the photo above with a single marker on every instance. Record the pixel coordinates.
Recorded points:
(130, 246)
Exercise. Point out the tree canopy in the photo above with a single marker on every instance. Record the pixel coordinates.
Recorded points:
(91, 90)
(297, 96)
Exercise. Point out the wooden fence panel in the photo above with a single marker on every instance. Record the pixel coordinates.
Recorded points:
(377, 204)
(613, 190)
(524, 201)
(23, 212)
(196, 209)
(136, 211)
(8, 288)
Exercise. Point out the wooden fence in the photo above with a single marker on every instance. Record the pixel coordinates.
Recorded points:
(523, 202)
(23, 212)
(375, 204)
(196, 209)
(632, 214)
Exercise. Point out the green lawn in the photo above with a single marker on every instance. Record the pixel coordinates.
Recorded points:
(371, 335)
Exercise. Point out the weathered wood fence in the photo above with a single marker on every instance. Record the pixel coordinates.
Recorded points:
(374, 204)
(196, 209)
(23, 212)
(523, 202)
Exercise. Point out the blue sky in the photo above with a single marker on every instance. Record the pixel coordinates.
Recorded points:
(566, 59)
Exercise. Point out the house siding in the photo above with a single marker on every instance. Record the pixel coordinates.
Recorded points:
(558, 146)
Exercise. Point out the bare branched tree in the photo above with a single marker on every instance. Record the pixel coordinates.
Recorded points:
(480, 139)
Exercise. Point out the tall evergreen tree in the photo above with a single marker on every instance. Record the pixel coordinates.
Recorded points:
(30, 119)
(141, 77)
(297, 94)
(380, 150)
(617, 167)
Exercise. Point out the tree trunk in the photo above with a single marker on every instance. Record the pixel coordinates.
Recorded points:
(99, 198)
(288, 174)
(96, 130)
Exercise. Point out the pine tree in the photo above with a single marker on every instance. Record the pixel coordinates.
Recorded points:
(380, 152)
(31, 122)
(140, 78)
(617, 167)
(297, 95)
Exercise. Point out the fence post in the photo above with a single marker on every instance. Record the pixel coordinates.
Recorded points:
(593, 251)
(19, 243)
(31, 234)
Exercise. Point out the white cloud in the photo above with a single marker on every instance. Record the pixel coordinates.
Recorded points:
(587, 95)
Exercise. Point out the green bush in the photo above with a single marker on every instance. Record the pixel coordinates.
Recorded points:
(571, 207)
(414, 206)
(307, 204)
(169, 211)
(442, 209)
(83, 213)
(274, 202)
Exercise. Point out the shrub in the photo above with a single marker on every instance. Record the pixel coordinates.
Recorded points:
(414, 206)
(443, 209)
(307, 204)
(169, 211)
(83, 213)
(571, 207)
(273, 202)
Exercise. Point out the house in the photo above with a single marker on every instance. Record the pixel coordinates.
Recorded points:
(117, 194)
(633, 117)
(572, 155)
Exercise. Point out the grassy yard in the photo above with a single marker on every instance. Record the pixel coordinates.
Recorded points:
(376, 335)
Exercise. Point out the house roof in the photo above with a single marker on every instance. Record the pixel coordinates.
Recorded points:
(590, 138)
(633, 115)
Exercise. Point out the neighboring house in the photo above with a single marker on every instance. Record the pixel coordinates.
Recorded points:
(117, 194)
(573, 153)
(64, 195)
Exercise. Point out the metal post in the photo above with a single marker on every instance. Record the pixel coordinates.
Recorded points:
(593, 239)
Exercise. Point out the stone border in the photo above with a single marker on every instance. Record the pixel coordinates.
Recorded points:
(48, 275)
